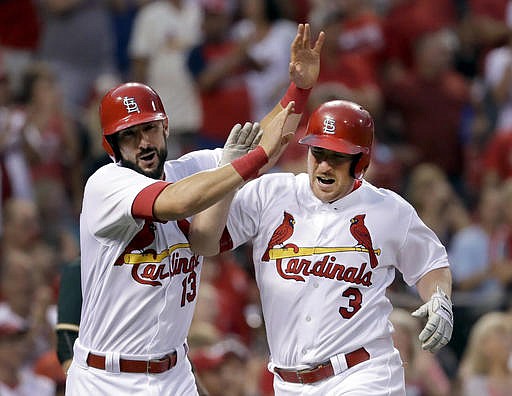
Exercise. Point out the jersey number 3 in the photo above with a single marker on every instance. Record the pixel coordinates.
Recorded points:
(354, 302)
(189, 290)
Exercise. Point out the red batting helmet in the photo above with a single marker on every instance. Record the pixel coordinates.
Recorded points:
(344, 127)
(127, 105)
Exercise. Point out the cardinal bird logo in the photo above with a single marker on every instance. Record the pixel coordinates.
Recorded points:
(363, 238)
(143, 239)
(280, 235)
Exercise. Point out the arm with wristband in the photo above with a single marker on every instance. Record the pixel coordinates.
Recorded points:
(207, 227)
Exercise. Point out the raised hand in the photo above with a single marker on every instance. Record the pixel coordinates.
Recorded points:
(274, 136)
(304, 58)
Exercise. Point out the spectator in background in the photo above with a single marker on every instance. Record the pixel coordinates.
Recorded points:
(163, 33)
(429, 101)
(51, 144)
(438, 205)
(77, 41)
(16, 378)
(476, 130)
(473, 254)
(484, 369)
(122, 15)
(498, 79)
(218, 65)
(424, 375)
(22, 230)
(29, 270)
(362, 33)
(221, 367)
(269, 36)
(482, 26)
(93, 155)
(235, 291)
(503, 265)
(15, 179)
(19, 38)
(28, 298)
(357, 82)
(497, 159)
(404, 23)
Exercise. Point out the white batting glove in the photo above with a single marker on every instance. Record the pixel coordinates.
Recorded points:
(240, 141)
(438, 330)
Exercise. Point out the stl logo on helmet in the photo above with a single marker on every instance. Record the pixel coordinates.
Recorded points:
(131, 105)
(329, 125)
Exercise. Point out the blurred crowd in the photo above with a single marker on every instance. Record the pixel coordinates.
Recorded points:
(435, 74)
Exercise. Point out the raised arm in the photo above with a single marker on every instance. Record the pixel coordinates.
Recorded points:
(195, 193)
(303, 69)
(207, 227)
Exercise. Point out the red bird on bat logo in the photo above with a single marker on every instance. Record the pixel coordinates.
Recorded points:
(363, 237)
(280, 235)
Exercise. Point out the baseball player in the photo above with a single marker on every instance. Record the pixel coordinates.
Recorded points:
(325, 248)
(139, 277)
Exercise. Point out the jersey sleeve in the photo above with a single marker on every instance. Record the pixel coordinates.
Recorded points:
(420, 252)
(109, 196)
(144, 201)
(244, 213)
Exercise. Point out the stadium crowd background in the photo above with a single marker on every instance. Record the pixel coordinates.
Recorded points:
(435, 74)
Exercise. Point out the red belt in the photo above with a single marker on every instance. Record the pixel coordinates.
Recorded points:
(322, 371)
(154, 366)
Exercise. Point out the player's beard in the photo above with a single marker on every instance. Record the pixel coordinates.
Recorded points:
(156, 173)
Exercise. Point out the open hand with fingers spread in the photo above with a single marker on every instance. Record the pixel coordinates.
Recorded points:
(305, 58)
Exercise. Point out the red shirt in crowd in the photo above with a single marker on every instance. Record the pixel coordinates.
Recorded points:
(498, 155)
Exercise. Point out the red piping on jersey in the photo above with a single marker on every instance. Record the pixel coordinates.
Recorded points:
(357, 184)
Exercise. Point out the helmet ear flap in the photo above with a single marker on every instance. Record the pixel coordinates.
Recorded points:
(355, 170)
(110, 145)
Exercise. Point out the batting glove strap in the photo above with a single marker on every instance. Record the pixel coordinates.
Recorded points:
(438, 330)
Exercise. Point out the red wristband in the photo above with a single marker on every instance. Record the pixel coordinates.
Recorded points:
(249, 164)
(298, 95)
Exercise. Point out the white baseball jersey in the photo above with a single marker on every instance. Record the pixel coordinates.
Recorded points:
(323, 268)
(139, 277)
